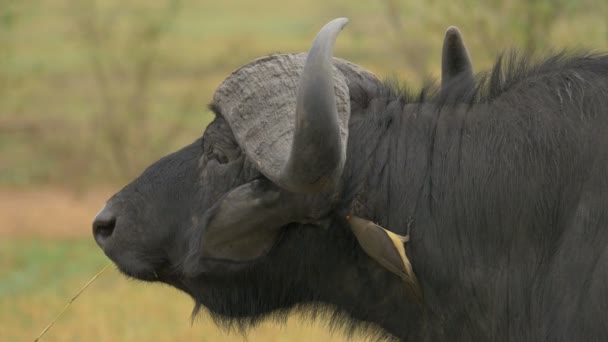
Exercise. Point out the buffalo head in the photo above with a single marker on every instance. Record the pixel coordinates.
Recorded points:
(246, 214)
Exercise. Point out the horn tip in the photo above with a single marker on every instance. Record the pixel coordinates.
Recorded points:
(452, 30)
(341, 22)
(452, 33)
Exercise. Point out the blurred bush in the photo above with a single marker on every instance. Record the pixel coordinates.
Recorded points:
(93, 91)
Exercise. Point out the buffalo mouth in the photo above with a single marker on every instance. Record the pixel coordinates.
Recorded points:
(114, 233)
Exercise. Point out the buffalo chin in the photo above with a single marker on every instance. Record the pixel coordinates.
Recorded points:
(141, 271)
(147, 275)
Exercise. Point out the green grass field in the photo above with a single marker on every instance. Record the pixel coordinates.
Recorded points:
(92, 91)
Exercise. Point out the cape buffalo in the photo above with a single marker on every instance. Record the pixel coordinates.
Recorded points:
(472, 211)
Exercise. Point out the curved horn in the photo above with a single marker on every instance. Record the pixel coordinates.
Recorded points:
(266, 101)
(455, 59)
(317, 157)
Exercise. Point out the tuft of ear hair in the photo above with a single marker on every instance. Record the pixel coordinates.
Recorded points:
(386, 248)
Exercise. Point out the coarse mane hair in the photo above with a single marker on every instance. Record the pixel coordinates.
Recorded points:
(516, 77)
(511, 70)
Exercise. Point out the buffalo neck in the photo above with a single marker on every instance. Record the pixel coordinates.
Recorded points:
(390, 159)
(387, 181)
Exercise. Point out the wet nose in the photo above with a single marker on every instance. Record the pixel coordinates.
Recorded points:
(103, 226)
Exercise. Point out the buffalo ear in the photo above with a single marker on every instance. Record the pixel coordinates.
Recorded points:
(455, 59)
(244, 224)
(387, 248)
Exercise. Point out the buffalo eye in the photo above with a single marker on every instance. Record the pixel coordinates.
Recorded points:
(214, 152)
(218, 143)
(218, 155)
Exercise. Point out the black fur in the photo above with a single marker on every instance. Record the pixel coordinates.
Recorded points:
(507, 185)
(504, 185)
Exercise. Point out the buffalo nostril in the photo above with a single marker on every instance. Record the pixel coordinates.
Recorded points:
(103, 226)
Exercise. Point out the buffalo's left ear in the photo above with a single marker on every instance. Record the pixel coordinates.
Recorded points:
(387, 248)
(455, 59)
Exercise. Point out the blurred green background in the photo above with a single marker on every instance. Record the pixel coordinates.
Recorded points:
(93, 91)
